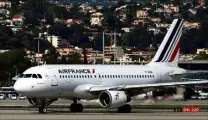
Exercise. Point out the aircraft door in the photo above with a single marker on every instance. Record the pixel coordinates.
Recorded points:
(54, 80)
(99, 78)
(160, 77)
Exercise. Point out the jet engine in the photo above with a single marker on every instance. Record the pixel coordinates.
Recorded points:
(33, 101)
(113, 99)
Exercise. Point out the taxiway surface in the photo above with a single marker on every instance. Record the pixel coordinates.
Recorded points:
(17, 102)
(99, 115)
(15, 113)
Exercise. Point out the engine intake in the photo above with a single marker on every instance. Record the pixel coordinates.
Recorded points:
(113, 99)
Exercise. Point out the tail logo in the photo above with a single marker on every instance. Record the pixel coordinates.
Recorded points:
(169, 49)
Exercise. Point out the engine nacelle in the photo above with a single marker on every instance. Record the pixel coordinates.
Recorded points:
(113, 99)
(33, 101)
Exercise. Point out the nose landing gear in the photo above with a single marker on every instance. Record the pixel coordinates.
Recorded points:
(42, 109)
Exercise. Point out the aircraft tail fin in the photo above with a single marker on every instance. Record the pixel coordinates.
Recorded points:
(168, 52)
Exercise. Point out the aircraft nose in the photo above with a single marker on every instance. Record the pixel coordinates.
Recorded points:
(19, 86)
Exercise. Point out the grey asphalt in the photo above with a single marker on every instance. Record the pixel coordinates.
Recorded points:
(63, 114)
(99, 114)
(141, 102)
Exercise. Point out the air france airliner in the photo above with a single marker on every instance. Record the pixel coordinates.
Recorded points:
(112, 85)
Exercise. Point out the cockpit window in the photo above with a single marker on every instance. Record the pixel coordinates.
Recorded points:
(34, 76)
(39, 76)
(27, 75)
(21, 76)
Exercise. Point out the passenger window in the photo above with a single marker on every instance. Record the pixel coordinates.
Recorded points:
(34, 76)
(71, 76)
(95, 76)
(60, 76)
(68, 76)
(82, 76)
(110, 76)
(27, 75)
(65, 76)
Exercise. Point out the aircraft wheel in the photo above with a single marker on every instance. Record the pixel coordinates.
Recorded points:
(76, 107)
(42, 110)
(79, 107)
(124, 109)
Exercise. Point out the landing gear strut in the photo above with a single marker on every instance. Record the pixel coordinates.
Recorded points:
(42, 109)
(74, 107)
(124, 109)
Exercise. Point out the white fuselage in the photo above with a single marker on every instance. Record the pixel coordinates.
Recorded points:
(60, 81)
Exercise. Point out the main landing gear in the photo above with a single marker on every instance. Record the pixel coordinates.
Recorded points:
(74, 107)
(124, 109)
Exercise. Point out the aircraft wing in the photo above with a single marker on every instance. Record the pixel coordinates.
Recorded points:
(196, 71)
(142, 86)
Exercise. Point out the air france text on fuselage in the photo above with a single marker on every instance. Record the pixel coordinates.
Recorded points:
(74, 71)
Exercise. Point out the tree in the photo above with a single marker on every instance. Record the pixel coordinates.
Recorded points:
(5, 35)
(52, 56)
(74, 58)
(87, 19)
(201, 56)
(139, 38)
(11, 60)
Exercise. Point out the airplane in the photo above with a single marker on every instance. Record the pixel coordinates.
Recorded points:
(112, 85)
